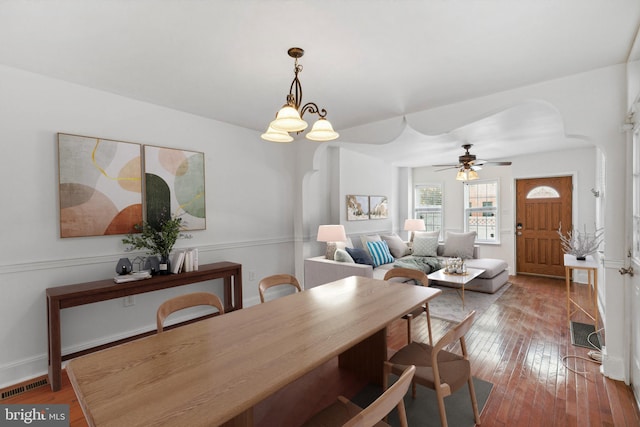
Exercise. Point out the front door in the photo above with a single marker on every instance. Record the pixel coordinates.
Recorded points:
(542, 204)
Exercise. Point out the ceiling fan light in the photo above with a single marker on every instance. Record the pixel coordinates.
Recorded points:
(276, 135)
(322, 131)
(466, 175)
(288, 119)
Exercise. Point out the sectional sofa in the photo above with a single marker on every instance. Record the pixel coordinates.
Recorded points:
(320, 270)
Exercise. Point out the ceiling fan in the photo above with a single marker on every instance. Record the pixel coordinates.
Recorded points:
(469, 161)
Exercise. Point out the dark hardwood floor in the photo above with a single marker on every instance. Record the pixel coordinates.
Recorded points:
(519, 345)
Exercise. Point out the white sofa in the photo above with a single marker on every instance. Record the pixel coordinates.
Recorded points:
(320, 270)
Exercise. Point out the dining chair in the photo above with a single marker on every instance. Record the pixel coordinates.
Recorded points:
(185, 301)
(421, 278)
(438, 369)
(345, 413)
(275, 280)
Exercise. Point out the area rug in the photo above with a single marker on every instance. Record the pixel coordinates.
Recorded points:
(423, 410)
(448, 305)
(581, 336)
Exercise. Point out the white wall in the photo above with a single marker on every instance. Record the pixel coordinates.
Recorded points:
(249, 208)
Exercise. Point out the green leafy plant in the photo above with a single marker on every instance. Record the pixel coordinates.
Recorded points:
(156, 238)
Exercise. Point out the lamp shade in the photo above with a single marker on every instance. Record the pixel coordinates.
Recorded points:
(276, 135)
(288, 119)
(414, 225)
(322, 131)
(331, 233)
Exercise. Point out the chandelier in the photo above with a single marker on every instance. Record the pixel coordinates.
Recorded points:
(289, 118)
(466, 174)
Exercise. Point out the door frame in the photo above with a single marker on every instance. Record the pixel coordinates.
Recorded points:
(574, 203)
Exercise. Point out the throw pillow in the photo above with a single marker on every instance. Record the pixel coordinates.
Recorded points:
(425, 246)
(426, 234)
(360, 256)
(397, 247)
(459, 244)
(380, 253)
(342, 255)
(369, 238)
(345, 244)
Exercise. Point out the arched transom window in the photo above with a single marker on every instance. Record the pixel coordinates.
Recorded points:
(543, 192)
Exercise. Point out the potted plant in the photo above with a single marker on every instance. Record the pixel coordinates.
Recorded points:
(157, 238)
(580, 244)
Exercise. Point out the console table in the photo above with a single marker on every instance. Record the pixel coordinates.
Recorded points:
(86, 293)
(591, 266)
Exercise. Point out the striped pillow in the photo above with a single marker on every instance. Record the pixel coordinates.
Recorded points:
(380, 253)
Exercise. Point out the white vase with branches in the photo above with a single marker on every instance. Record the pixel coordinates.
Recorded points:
(580, 243)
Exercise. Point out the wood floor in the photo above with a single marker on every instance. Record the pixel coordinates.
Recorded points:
(519, 345)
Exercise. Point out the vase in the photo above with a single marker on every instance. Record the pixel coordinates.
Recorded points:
(124, 266)
(164, 266)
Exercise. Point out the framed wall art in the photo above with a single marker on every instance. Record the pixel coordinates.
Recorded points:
(378, 208)
(100, 186)
(174, 186)
(357, 208)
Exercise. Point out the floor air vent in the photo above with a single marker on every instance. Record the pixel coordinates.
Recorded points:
(23, 388)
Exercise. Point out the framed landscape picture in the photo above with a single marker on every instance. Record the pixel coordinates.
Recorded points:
(378, 208)
(100, 186)
(357, 208)
(174, 186)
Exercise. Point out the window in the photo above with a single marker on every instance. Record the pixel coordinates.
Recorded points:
(543, 192)
(428, 206)
(481, 210)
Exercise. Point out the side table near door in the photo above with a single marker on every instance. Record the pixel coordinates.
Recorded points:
(591, 267)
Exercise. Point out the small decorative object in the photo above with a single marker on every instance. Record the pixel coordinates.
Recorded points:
(580, 244)
(124, 266)
(157, 238)
(455, 266)
(152, 264)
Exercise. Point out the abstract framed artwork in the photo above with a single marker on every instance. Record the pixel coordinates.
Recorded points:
(378, 208)
(100, 182)
(175, 186)
(357, 208)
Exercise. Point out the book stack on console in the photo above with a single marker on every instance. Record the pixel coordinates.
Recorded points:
(184, 260)
(135, 275)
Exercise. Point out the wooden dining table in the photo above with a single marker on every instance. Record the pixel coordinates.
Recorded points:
(214, 371)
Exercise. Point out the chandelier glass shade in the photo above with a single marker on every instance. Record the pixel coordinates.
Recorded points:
(322, 131)
(288, 120)
(276, 135)
(289, 117)
(466, 174)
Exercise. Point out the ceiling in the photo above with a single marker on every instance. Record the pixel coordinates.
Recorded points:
(365, 61)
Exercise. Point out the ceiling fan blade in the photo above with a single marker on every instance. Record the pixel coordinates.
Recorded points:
(493, 164)
(446, 167)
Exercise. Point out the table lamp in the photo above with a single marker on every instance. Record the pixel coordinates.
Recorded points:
(413, 225)
(331, 234)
